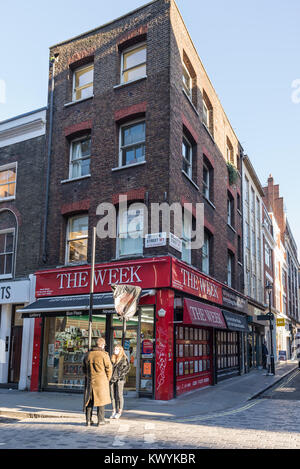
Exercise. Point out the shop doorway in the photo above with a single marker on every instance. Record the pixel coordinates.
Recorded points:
(15, 345)
(139, 347)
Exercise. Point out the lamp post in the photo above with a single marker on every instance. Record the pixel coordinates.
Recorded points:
(269, 288)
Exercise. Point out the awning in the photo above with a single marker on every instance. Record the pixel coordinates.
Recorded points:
(235, 322)
(201, 314)
(73, 305)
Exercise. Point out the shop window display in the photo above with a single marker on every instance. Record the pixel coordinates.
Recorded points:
(227, 350)
(66, 342)
(193, 351)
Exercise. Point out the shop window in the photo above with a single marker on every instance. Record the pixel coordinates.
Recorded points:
(65, 344)
(227, 350)
(132, 143)
(130, 231)
(83, 82)
(80, 157)
(8, 179)
(77, 239)
(7, 241)
(134, 63)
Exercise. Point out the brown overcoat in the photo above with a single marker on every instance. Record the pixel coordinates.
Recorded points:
(97, 368)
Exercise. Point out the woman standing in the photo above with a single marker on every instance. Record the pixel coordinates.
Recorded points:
(121, 367)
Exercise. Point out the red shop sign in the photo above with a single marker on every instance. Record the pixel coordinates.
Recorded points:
(201, 314)
(193, 282)
(146, 273)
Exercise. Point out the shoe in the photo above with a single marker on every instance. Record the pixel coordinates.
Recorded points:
(103, 422)
(118, 415)
(113, 415)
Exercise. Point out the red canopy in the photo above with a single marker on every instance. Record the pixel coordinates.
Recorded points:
(201, 314)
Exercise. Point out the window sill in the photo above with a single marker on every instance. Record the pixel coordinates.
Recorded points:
(78, 101)
(188, 177)
(73, 264)
(121, 85)
(5, 277)
(190, 101)
(118, 168)
(6, 199)
(75, 179)
(128, 256)
(210, 202)
(231, 227)
(209, 133)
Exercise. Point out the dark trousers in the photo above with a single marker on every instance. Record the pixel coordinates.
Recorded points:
(89, 411)
(116, 395)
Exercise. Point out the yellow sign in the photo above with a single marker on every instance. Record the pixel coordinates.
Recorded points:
(280, 322)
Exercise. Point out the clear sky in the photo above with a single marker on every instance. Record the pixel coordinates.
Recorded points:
(250, 50)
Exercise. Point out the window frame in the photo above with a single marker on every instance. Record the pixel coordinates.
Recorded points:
(121, 148)
(68, 240)
(186, 240)
(89, 85)
(207, 257)
(189, 145)
(230, 210)
(188, 90)
(72, 142)
(139, 45)
(230, 269)
(12, 253)
(7, 167)
(120, 255)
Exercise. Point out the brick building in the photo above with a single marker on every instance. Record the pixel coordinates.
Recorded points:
(22, 160)
(286, 265)
(132, 112)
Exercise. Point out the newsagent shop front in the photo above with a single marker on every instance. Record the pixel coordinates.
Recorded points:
(170, 342)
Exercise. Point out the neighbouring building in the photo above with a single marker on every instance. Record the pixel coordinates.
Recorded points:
(134, 113)
(253, 259)
(22, 160)
(285, 272)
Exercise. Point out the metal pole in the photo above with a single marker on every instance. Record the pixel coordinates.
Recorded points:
(92, 287)
(123, 331)
(271, 337)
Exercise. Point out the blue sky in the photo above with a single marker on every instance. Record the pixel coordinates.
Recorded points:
(250, 50)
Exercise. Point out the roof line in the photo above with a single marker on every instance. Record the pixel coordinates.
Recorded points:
(103, 25)
(23, 115)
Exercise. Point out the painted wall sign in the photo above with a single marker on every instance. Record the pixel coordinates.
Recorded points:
(193, 282)
(14, 292)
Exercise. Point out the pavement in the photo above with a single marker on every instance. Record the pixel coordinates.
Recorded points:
(232, 393)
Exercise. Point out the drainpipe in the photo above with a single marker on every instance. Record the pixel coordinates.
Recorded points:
(53, 60)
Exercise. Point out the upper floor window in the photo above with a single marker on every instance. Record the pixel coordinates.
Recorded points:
(130, 231)
(8, 179)
(7, 238)
(230, 267)
(187, 81)
(268, 256)
(207, 113)
(187, 157)
(132, 143)
(207, 179)
(229, 151)
(230, 210)
(80, 157)
(206, 253)
(134, 63)
(186, 240)
(83, 82)
(77, 239)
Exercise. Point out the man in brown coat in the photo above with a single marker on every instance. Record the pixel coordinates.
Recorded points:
(97, 368)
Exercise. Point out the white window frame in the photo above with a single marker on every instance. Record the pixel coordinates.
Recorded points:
(206, 121)
(230, 211)
(188, 144)
(188, 89)
(229, 269)
(206, 254)
(7, 167)
(4, 232)
(71, 161)
(121, 148)
(89, 85)
(206, 184)
(141, 45)
(186, 254)
(67, 251)
(140, 251)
